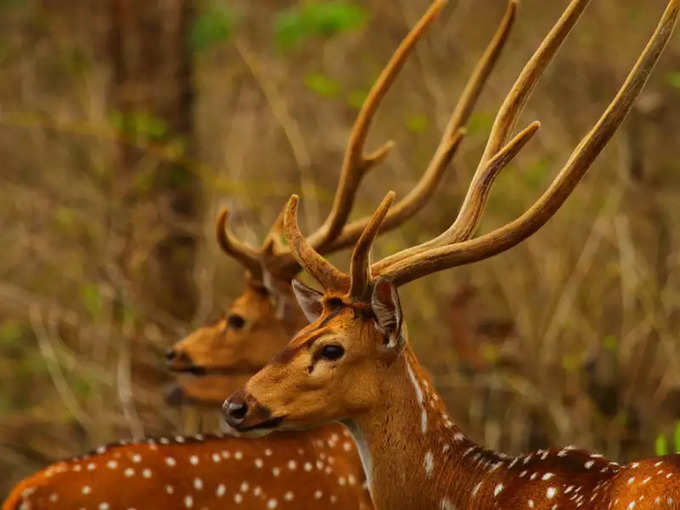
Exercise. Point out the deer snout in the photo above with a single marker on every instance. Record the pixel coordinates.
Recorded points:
(178, 360)
(235, 409)
(244, 413)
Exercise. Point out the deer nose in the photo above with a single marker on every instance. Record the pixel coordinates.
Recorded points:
(177, 358)
(235, 410)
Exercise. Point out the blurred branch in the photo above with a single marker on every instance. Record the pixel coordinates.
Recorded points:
(291, 129)
(164, 153)
(46, 349)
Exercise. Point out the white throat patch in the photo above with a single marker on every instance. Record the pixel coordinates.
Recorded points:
(419, 397)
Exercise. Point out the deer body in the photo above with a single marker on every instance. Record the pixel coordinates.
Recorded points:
(422, 460)
(204, 473)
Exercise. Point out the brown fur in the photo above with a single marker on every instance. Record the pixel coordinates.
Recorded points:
(212, 472)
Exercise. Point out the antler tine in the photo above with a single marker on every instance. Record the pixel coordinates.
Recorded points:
(469, 216)
(552, 199)
(360, 265)
(246, 255)
(488, 168)
(274, 235)
(453, 135)
(521, 91)
(356, 164)
(322, 270)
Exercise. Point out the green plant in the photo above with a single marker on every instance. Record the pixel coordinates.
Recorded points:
(211, 27)
(297, 24)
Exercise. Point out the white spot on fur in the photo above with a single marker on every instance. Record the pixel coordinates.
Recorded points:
(419, 397)
(428, 462)
(446, 504)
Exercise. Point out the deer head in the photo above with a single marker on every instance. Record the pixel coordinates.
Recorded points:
(260, 322)
(241, 341)
(345, 364)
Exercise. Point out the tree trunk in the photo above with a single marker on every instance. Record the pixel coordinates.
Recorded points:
(153, 91)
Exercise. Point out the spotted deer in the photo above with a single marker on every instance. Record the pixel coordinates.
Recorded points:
(301, 471)
(354, 364)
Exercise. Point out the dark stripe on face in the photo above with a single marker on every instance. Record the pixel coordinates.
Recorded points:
(288, 353)
(331, 316)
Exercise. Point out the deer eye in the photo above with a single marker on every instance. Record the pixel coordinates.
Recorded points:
(332, 352)
(236, 321)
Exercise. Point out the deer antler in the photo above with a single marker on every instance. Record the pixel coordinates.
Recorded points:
(321, 269)
(335, 234)
(356, 164)
(452, 249)
(360, 267)
(448, 145)
(245, 254)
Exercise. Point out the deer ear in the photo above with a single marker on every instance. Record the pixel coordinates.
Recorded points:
(309, 299)
(387, 310)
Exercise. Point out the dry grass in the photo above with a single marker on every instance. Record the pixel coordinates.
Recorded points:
(572, 336)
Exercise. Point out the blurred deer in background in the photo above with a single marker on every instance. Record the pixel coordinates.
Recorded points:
(354, 364)
(295, 470)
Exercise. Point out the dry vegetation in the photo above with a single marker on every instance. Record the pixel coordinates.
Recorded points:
(570, 338)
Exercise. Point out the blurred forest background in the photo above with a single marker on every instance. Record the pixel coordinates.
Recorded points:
(125, 125)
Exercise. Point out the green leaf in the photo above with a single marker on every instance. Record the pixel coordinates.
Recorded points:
(330, 18)
(609, 342)
(91, 299)
(295, 25)
(212, 27)
(81, 387)
(10, 333)
(322, 85)
(673, 79)
(356, 98)
(676, 437)
(417, 123)
(65, 218)
(140, 125)
(661, 445)
(479, 123)
(4, 52)
(537, 173)
(572, 362)
(14, 4)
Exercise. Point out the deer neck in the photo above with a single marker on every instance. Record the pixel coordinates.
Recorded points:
(413, 455)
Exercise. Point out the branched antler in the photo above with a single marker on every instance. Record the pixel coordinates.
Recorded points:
(453, 247)
(335, 234)
(449, 143)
